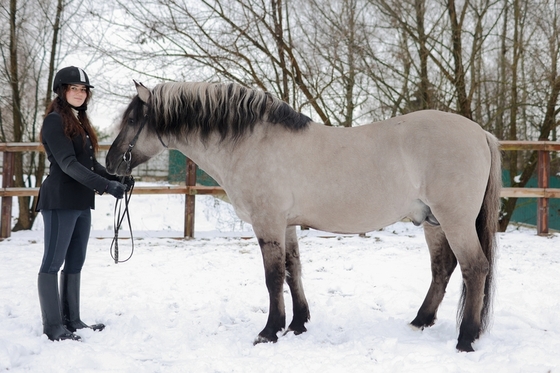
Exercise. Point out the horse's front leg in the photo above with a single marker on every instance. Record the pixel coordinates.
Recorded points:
(274, 258)
(293, 278)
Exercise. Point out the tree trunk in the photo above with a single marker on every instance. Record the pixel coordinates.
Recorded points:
(459, 81)
(509, 204)
(24, 219)
(40, 171)
(424, 94)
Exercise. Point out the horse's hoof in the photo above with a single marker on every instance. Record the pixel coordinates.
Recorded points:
(423, 322)
(296, 329)
(262, 339)
(463, 346)
(416, 328)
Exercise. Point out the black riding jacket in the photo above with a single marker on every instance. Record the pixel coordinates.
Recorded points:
(74, 173)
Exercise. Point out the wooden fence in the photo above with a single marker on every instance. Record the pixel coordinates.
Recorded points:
(543, 193)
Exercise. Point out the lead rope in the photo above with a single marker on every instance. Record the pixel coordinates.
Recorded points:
(119, 215)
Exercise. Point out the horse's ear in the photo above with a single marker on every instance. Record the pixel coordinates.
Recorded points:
(143, 92)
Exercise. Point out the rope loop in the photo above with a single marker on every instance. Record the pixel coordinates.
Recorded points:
(119, 216)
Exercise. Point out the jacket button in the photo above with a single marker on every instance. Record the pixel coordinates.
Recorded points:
(92, 168)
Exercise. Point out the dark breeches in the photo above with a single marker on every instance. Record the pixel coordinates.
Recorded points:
(66, 238)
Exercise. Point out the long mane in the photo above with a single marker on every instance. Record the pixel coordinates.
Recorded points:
(228, 109)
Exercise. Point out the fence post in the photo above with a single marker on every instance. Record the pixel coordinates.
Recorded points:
(7, 181)
(543, 167)
(190, 199)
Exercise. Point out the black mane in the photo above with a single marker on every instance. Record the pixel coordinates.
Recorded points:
(228, 109)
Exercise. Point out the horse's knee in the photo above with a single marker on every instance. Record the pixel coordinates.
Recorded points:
(274, 263)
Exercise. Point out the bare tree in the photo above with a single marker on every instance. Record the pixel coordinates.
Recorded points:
(24, 66)
(533, 77)
(274, 45)
(17, 115)
(334, 34)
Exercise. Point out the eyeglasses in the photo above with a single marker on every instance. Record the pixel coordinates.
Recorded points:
(76, 89)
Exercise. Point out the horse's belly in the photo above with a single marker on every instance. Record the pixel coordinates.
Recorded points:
(361, 227)
(358, 218)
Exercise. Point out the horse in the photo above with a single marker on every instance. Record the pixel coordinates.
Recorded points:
(280, 169)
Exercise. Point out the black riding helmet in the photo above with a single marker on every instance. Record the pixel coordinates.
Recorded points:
(70, 75)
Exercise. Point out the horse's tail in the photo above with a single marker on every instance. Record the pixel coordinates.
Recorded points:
(487, 226)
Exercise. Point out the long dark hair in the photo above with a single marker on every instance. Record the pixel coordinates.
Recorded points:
(228, 109)
(73, 126)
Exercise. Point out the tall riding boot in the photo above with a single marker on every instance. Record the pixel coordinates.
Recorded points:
(70, 302)
(50, 308)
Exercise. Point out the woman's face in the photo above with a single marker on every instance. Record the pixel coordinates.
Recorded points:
(76, 95)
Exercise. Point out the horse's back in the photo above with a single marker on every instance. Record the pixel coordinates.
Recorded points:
(415, 148)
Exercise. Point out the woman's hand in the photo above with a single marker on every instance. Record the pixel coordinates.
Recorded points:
(129, 182)
(116, 189)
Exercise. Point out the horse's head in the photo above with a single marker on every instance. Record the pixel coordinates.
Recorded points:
(137, 140)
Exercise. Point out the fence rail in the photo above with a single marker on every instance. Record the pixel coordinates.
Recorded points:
(543, 193)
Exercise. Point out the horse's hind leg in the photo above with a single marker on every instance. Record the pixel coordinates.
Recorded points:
(443, 264)
(293, 278)
(475, 268)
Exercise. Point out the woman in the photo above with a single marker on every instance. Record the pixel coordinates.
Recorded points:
(65, 200)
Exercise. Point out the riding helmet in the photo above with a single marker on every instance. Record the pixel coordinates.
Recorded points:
(70, 75)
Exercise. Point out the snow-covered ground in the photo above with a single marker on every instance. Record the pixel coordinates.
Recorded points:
(196, 305)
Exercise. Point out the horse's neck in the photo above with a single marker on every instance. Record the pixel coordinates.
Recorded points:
(212, 156)
(218, 158)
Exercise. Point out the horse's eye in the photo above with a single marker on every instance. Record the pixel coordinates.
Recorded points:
(130, 121)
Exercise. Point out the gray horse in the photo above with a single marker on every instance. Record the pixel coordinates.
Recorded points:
(280, 170)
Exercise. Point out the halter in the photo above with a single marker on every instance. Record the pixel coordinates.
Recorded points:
(127, 156)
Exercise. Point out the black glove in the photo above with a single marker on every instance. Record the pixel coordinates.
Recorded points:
(129, 182)
(115, 189)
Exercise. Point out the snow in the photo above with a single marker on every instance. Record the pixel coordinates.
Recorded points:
(196, 305)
